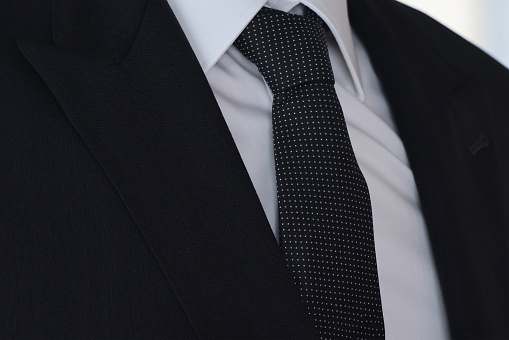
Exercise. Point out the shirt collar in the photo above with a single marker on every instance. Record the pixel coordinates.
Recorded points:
(212, 26)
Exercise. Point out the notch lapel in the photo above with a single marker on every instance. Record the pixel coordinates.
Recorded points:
(447, 125)
(153, 125)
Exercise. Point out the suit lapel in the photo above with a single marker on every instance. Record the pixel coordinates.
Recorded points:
(147, 114)
(446, 129)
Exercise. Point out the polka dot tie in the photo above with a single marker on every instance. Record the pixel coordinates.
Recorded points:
(325, 222)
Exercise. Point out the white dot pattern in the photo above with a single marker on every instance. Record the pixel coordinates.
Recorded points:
(326, 230)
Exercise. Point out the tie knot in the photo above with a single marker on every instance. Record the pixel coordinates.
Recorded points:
(288, 49)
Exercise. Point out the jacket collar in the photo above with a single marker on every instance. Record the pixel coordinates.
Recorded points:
(438, 102)
(135, 93)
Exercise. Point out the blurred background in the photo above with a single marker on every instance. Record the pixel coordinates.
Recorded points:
(485, 23)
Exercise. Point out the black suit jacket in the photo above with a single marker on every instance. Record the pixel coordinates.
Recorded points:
(126, 210)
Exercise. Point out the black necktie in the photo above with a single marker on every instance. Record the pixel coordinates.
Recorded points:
(325, 222)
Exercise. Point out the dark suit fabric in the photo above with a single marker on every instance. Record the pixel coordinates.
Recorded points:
(126, 210)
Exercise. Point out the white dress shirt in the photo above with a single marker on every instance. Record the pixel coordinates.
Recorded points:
(411, 297)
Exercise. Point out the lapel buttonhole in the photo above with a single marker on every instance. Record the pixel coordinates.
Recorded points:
(479, 144)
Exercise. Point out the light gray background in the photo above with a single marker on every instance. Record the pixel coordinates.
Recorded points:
(483, 22)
